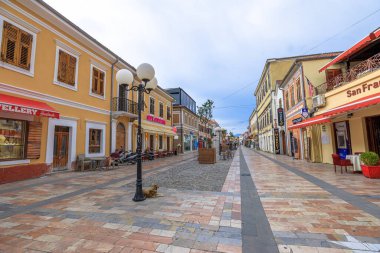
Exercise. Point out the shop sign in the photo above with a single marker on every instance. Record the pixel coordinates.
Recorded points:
(297, 120)
(304, 112)
(155, 119)
(362, 89)
(280, 116)
(29, 111)
(276, 141)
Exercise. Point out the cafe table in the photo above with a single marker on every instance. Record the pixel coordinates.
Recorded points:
(355, 160)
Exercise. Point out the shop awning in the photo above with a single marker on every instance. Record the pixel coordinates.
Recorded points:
(320, 119)
(26, 106)
(354, 105)
(354, 49)
(156, 129)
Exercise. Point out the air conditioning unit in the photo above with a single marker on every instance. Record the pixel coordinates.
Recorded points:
(319, 101)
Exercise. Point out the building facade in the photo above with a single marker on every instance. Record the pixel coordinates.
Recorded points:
(298, 89)
(56, 85)
(185, 120)
(274, 70)
(350, 111)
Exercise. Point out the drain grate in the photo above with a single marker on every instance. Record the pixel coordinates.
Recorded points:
(245, 174)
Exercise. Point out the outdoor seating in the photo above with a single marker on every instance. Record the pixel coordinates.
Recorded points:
(82, 161)
(110, 162)
(340, 162)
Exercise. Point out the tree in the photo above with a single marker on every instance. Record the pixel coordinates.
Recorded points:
(231, 134)
(205, 112)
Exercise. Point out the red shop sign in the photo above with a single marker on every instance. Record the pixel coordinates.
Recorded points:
(155, 119)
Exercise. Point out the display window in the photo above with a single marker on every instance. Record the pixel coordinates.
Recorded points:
(95, 140)
(12, 139)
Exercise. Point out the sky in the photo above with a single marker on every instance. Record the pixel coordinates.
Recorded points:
(216, 49)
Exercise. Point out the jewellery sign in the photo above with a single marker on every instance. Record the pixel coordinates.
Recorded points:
(155, 119)
(26, 110)
(276, 141)
(280, 115)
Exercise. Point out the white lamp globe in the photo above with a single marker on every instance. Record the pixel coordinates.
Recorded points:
(217, 129)
(124, 76)
(145, 72)
(152, 84)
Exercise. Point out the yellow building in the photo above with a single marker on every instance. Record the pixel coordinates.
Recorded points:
(157, 130)
(56, 89)
(350, 100)
(273, 72)
(298, 90)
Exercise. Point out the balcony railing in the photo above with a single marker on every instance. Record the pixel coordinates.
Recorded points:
(365, 67)
(124, 105)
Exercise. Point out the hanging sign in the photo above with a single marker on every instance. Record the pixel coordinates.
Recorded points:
(304, 112)
(280, 116)
(276, 140)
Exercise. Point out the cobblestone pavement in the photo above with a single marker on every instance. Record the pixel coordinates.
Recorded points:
(94, 213)
(302, 207)
(193, 176)
(306, 215)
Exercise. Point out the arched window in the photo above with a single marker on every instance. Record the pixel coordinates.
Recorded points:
(120, 136)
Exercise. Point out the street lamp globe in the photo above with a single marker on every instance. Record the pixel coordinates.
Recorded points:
(217, 129)
(145, 72)
(124, 76)
(152, 84)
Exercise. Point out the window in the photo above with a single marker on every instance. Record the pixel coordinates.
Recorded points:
(97, 81)
(12, 139)
(160, 142)
(161, 110)
(16, 46)
(168, 114)
(67, 66)
(287, 100)
(151, 106)
(298, 84)
(94, 145)
(292, 96)
(175, 118)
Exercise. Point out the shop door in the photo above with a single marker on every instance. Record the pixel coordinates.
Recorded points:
(373, 130)
(283, 142)
(61, 146)
(151, 142)
(168, 143)
(120, 136)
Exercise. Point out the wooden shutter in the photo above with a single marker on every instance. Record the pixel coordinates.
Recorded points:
(62, 66)
(9, 44)
(72, 64)
(95, 80)
(34, 140)
(25, 50)
(101, 83)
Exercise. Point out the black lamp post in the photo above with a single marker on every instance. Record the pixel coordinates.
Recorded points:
(145, 72)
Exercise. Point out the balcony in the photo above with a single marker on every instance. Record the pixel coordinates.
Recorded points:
(124, 107)
(365, 67)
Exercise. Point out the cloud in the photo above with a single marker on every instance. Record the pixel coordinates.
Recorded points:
(212, 48)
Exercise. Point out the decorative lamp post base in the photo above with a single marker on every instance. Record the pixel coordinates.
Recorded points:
(138, 197)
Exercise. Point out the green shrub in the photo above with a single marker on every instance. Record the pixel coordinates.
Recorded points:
(370, 158)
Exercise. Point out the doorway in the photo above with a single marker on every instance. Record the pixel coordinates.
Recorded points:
(168, 143)
(151, 142)
(61, 147)
(373, 131)
(120, 136)
(283, 139)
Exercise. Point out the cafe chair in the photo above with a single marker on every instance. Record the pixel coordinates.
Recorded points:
(82, 162)
(340, 162)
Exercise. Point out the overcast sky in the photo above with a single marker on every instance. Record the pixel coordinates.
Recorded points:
(217, 48)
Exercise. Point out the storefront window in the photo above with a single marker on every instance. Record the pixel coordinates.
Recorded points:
(12, 139)
(94, 141)
(187, 142)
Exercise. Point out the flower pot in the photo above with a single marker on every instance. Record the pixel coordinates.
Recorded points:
(207, 155)
(371, 171)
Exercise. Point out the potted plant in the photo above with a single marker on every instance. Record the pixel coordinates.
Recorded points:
(371, 166)
(206, 154)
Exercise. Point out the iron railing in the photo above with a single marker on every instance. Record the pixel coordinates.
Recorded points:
(365, 67)
(124, 105)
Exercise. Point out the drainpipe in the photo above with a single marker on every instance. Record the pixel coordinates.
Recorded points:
(111, 111)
